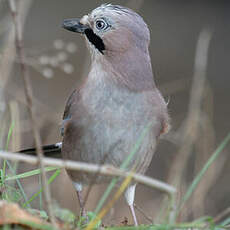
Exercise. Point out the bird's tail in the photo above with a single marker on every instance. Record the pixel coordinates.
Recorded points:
(53, 150)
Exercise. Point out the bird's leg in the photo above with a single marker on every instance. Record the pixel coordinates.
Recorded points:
(129, 196)
(81, 203)
(131, 207)
(78, 187)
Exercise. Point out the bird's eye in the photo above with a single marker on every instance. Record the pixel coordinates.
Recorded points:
(101, 24)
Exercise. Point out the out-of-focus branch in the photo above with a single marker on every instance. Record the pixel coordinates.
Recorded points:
(191, 126)
(192, 122)
(90, 168)
(8, 54)
(29, 96)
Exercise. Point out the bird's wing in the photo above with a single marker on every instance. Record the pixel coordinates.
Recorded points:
(71, 102)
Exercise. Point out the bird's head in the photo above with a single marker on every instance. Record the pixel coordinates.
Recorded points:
(110, 29)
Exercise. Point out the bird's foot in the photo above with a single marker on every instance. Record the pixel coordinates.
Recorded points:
(83, 219)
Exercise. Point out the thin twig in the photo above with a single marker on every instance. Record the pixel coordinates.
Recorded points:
(90, 168)
(28, 95)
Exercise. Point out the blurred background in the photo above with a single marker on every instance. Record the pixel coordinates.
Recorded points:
(58, 61)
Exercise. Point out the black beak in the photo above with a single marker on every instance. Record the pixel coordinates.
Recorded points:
(74, 25)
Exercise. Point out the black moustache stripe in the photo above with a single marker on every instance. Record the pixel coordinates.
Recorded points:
(95, 40)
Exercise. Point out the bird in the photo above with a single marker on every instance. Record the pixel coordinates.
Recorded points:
(105, 116)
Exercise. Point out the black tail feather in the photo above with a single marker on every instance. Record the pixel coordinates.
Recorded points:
(53, 150)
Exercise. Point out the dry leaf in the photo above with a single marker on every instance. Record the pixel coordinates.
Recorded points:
(11, 213)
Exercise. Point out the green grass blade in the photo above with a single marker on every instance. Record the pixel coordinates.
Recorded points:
(225, 222)
(34, 225)
(9, 165)
(51, 179)
(40, 195)
(30, 173)
(123, 166)
(182, 226)
(6, 147)
(105, 195)
(9, 135)
(18, 183)
(200, 175)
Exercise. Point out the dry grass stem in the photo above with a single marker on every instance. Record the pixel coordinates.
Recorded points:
(194, 110)
(28, 94)
(204, 145)
(192, 121)
(8, 56)
(189, 133)
(90, 168)
(16, 139)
